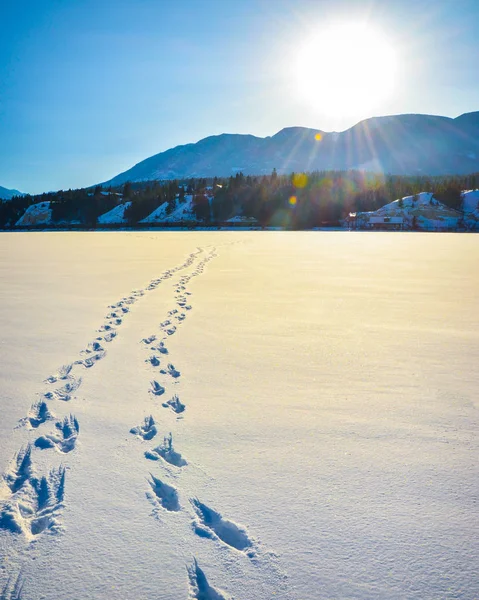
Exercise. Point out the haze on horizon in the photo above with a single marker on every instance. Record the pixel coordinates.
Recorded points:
(91, 88)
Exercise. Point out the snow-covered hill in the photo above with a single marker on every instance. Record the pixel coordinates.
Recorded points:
(115, 215)
(400, 144)
(36, 214)
(421, 211)
(470, 206)
(183, 211)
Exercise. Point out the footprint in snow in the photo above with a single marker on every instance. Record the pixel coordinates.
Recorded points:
(156, 389)
(175, 404)
(166, 451)
(153, 360)
(13, 588)
(213, 525)
(63, 373)
(39, 413)
(163, 495)
(161, 348)
(38, 508)
(147, 430)
(200, 589)
(20, 470)
(149, 340)
(93, 347)
(64, 393)
(64, 439)
(171, 371)
(91, 360)
(109, 336)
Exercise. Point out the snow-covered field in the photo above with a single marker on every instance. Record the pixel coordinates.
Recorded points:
(313, 400)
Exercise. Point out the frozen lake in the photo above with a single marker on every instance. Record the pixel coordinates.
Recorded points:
(328, 444)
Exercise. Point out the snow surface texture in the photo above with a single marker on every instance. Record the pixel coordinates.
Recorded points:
(315, 437)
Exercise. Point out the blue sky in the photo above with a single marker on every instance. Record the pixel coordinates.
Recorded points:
(90, 87)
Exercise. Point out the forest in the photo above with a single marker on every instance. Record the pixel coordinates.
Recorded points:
(295, 201)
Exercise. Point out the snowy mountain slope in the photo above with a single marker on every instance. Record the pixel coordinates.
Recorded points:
(36, 214)
(6, 194)
(400, 144)
(115, 215)
(328, 422)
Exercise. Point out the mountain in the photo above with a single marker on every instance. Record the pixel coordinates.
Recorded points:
(400, 144)
(6, 194)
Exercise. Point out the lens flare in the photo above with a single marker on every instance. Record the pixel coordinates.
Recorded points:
(300, 180)
(318, 137)
(293, 200)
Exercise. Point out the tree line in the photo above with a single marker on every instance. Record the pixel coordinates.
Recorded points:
(295, 201)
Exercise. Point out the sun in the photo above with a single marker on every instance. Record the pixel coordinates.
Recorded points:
(345, 70)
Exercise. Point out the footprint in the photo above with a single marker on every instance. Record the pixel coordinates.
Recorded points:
(156, 388)
(64, 393)
(163, 494)
(165, 323)
(149, 340)
(37, 509)
(38, 414)
(91, 360)
(161, 348)
(106, 327)
(212, 525)
(63, 373)
(21, 469)
(175, 404)
(153, 360)
(109, 336)
(167, 453)
(200, 589)
(147, 430)
(93, 347)
(13, 589)
(171, 330)
(64, 440)
(181, 317)
(171, 371)
(172, 312)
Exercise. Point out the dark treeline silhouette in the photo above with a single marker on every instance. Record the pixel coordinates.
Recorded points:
(295, 201)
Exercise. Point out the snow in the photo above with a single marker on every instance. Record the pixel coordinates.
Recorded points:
(36, 214)
(329, 386)
(470, 201)
(115, 215)
(430, 214)
(242, 219)
(158, 214)
(183, 211)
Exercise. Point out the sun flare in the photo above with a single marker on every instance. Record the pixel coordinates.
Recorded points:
(346, 69)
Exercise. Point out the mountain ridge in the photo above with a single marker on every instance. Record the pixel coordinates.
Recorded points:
(405, 144)
(8, 194)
